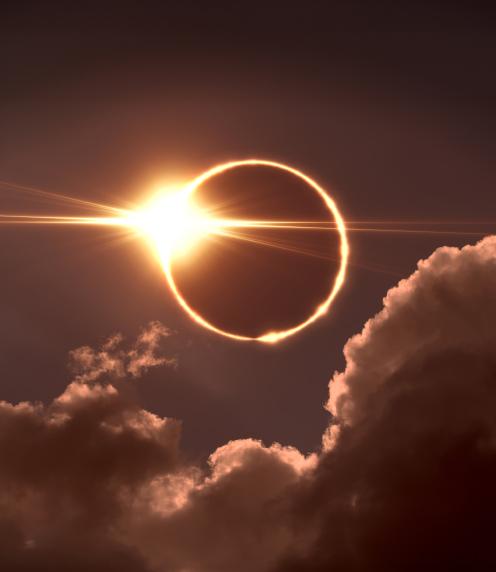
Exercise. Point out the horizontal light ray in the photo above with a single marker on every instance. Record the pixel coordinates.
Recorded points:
(323, 226)
(220, 230)
(59, 197)
(281, 245)
(328, 223)
(420, 231)
(420, 222)
(62, 220)
(215, 225)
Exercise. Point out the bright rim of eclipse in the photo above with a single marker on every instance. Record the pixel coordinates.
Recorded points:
(174, 224)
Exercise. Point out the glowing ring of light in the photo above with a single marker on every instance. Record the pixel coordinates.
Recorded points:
(274, 336)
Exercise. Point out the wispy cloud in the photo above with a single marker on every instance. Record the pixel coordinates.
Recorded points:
(114, 359)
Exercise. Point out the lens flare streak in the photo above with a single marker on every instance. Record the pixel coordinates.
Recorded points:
(173, 224)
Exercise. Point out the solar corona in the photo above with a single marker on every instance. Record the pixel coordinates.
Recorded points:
(194, 226)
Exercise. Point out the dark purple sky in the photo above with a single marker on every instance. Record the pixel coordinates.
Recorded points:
(133, 440)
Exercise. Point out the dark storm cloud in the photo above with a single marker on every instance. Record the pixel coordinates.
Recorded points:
(406, 479)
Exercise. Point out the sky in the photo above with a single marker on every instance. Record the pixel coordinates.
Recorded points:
(390, 107)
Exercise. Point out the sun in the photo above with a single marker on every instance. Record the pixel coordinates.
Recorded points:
(172, 222)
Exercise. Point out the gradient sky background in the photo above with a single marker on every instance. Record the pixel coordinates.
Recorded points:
(389, 105)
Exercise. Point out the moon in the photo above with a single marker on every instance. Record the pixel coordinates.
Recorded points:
(272, 336)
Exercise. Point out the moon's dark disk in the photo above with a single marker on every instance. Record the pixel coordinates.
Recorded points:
(273, 279)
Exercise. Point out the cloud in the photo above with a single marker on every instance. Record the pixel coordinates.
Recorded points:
(447, 304)
(93, 481)
(114, 361)
(94, 478)
(405, 482)
(65, 468)
(230, 516)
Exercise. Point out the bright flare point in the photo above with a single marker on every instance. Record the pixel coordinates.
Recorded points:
(173, 222)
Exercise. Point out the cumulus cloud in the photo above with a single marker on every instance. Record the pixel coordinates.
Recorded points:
(405, 481)
(231, 516)
(447, 304)
(94, 478)
(65, 469)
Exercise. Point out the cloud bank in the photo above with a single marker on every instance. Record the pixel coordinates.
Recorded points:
(405, 480)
